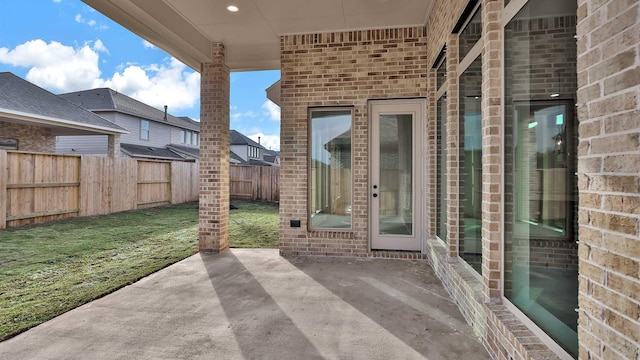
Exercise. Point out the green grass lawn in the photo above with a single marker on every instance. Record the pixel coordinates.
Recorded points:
(48, 269)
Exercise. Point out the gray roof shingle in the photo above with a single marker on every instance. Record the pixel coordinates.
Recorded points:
(19, 95)
(150, 152)
(105, 99)
(191, 151)
(238, 138)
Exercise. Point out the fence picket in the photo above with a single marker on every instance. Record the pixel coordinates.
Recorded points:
(36, 188)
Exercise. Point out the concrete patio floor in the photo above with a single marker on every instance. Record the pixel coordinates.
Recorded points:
(254, 304)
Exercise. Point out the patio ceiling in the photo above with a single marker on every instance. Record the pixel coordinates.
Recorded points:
(187, 28)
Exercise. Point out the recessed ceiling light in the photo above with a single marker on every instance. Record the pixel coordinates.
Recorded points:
(554, 95)
(232, 8)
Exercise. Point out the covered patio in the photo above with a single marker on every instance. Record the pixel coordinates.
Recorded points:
(254, 304)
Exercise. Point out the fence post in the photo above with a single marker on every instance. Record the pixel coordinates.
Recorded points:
(82, 189)
(171, 182)
(3, 189)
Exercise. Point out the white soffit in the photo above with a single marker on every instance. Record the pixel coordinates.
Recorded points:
(252, 35)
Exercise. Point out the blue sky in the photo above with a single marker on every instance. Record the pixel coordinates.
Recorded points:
(64, 45)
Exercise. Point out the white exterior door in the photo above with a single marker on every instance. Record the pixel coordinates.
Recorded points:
(395, 174)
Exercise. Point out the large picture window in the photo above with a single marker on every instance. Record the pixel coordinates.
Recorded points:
(330, 184)
(540, 250)
(470, 142)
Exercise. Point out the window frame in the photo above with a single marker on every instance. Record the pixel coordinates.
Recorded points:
(145, 131)
(310, 194)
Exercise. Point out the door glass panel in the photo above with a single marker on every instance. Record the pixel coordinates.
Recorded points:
(396, 173)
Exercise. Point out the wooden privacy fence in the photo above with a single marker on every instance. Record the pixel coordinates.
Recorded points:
(254, 182)
(37, 188)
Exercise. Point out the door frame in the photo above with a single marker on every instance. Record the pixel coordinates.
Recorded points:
(417, 107)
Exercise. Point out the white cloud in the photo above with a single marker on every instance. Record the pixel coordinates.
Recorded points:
(62, 68)
(271, 142)
(99, 46)
(247, 114)
(272, 110)
(94, 24)
(57, 1)
(171, 84)
(55, 66)
(147, 45)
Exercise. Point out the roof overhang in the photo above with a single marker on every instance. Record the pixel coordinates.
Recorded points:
(273, 92)
(58, 126)
(251, 36)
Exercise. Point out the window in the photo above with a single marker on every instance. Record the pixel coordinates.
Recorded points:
(195, 139)
(182, 136)
(330, 184)
(254, 152)
(540, 251)
(470, 142)
(188, 139)
(144, 129)
(8, 144)
(470, 35)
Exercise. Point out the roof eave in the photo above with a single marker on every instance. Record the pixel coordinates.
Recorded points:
(51, 121)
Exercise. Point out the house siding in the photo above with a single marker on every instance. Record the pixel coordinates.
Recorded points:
(241, 151)
(30, 138)
(340, 69)
(159, 134)
(82, 145)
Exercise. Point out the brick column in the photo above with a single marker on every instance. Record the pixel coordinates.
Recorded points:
(608, 107)
(113, 146)
(453, 155)
(492, 142)
(214, 153)
(431, 152)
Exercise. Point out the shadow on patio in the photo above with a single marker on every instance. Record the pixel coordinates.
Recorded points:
(338, 308)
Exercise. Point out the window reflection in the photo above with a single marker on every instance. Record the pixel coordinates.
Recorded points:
(470, 164)
(540, 250)
(330, 173)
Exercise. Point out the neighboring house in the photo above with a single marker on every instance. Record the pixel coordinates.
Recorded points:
(153, 133)
(497, 138)
(31, 118)
(248, 152)
(271, 156)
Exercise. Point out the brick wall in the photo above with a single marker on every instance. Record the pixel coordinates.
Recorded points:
(608, 180)
(30, 138)
(339, 69)
(478, 295)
